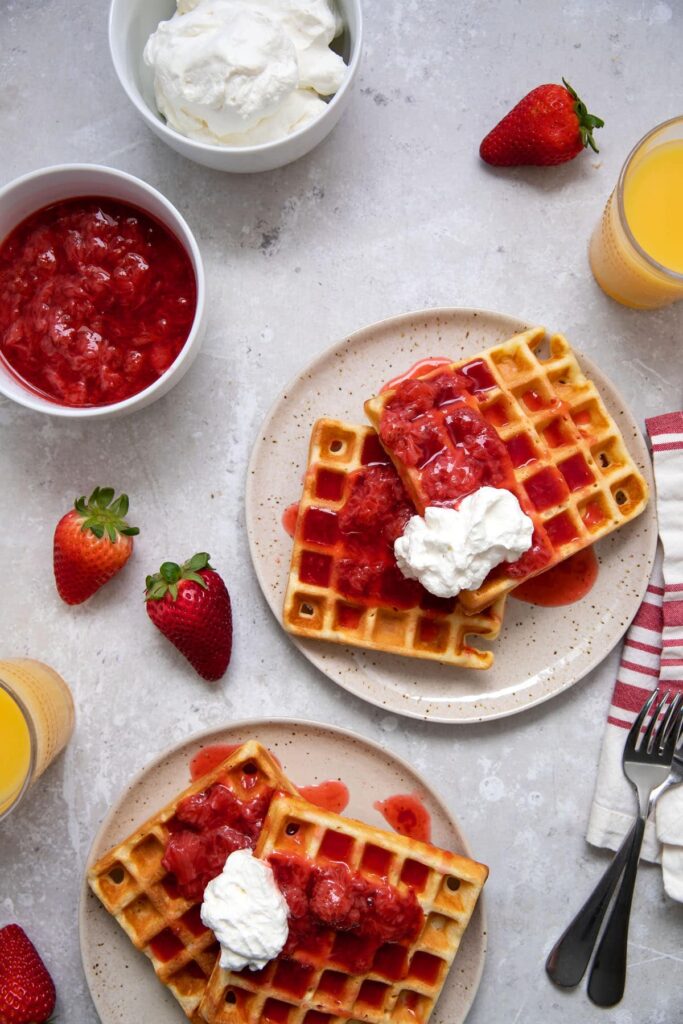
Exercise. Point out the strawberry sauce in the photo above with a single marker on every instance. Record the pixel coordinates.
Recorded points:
(332, 795)
(433, 427)
(565, 583)
(97, 299)
(210, 757)
(206, 828)
(364, 913)
(418, 369)
(289, 518)
(407, 815)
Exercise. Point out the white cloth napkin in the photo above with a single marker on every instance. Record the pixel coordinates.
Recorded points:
(653, 652)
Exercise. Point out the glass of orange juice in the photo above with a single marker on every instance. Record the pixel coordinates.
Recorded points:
(636, 251)
(36, 722)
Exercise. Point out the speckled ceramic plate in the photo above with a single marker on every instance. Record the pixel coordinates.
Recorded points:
(121, 979)
(540, 651)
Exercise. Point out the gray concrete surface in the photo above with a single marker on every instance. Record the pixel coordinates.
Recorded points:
(393, 212)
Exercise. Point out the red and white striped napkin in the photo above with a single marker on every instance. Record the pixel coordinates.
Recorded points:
(653, 652)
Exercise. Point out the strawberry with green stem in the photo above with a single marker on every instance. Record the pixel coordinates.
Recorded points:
(92, 543)
(190, 604)
(550, 125)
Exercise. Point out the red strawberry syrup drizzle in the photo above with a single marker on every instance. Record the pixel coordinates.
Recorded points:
(565, 583)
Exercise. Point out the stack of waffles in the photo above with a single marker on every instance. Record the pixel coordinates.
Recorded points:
(561, 454)
(313, 985)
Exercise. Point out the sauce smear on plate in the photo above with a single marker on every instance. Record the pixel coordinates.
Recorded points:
(565, 583)
(407, 815)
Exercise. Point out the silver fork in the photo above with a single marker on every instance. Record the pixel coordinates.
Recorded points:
(647, 763)
(569, 957)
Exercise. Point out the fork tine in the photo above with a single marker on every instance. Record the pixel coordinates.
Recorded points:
(671, 719)
(651, 730)
(668, 745)
(634, 732)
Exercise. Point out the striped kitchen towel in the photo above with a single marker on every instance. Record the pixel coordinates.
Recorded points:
(653, 652)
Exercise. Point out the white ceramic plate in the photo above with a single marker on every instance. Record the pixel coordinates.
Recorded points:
(540, 651)
(121, 979)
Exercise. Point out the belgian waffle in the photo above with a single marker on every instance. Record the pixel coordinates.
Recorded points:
(404, 981)
(573, 474)
(135, 888)
(388, 613)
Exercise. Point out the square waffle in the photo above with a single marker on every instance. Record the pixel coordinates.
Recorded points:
(346, 587)
(571, 470)
(317, 986)
(136, 889)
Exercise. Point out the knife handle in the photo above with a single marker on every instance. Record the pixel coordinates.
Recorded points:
(569, 957)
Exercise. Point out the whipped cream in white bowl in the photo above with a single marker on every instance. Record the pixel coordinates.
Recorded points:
(454, 549)
(246, 911)
(252, 99)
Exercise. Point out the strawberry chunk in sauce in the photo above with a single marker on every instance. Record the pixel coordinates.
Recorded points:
(207, 828)
(333, 897)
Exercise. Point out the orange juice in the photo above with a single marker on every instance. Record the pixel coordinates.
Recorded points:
(15, 750)
(36, 722)
(636, 252)
(653, 203)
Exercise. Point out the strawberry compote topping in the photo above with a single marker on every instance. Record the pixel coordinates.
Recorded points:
(96, 301)
(333, 897)
(208, 827)
(434, 426)
(374, 515)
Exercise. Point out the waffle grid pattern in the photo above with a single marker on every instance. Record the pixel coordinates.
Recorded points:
(324, 991)
(558, 431)
(320, 612)
(129, 881)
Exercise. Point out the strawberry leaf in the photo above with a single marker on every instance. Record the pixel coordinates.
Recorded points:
(102, 514)
(104, 497)
(587, 122)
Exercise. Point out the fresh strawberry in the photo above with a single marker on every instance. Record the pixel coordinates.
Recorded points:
(190, 604)
(27, 992)
(549, 126)
(92, 543)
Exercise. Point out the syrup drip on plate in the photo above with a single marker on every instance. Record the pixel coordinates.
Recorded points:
(407, 815)
(566, 583)
(289, 518)
(332, 795)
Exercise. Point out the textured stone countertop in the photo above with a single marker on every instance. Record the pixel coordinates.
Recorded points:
(393, 212)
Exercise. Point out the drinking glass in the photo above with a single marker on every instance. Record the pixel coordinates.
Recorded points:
(651, 187)
(36, 722)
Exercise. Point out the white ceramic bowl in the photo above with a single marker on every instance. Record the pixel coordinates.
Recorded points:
(131, 22)
(33, 191)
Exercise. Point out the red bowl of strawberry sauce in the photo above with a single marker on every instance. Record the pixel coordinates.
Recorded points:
(102, 293)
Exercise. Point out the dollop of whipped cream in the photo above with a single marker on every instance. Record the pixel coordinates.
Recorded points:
(246, 911)
(454, 549)
(244, 72)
